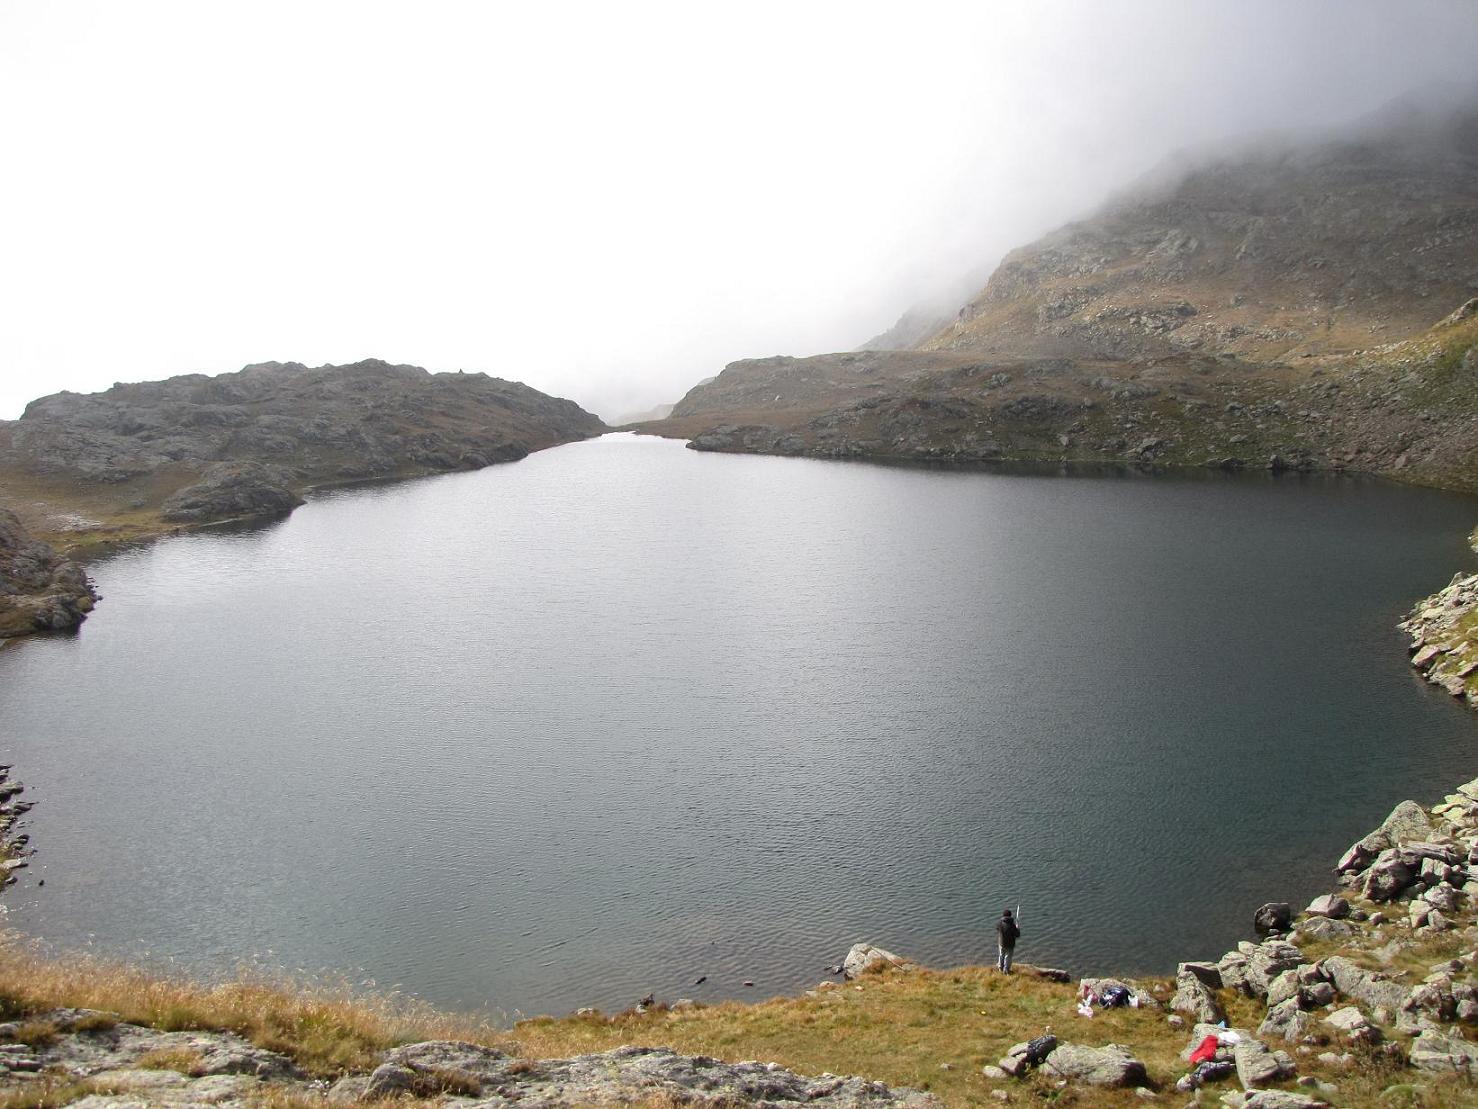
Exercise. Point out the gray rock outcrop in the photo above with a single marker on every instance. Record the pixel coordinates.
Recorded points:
(219, 1068)
(39, 590)
(367, 421)
(1110, 1065)
(231, 491)
(1445, 1052)
(1257, 1065)
(1195, 998)
(1275, 916)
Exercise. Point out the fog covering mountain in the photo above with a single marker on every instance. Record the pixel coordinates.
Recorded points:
(607, 202)
(1282, 304)
(1273, 252)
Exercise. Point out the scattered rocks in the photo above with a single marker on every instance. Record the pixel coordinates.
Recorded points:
(230, 1071)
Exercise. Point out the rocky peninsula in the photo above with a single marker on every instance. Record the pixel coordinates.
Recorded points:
(142, 459)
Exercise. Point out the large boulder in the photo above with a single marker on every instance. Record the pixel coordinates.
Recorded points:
(1388, 876)
(1282, 1099)
(1352, 1024)
(1286, 1020)
(1275, 916)
(1325, 928)
(1408, 821)
(232, 490)
(1110, 1065)
(1257, 1066)
(1232, 969)
(1095, 988)
(1330, 905)
(864, 957)
(1446, 1052)
(1364, 986)
(1195, 997)
(1267, 960)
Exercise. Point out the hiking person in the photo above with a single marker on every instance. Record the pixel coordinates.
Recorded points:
(1007, 933)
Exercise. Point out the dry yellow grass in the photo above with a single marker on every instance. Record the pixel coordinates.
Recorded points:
(47, 1092)
(328, 1029)
(931, 1030)
(184, 1060)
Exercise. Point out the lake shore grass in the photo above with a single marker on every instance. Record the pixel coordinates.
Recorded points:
(926, 1029)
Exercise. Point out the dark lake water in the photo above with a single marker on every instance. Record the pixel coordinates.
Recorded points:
(593, 724)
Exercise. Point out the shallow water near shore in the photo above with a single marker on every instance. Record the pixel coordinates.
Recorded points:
(593, 724)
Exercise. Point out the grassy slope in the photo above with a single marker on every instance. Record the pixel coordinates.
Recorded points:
(927, 1029)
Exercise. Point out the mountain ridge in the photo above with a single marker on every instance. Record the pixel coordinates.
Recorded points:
(133, 459)
(1280, 306)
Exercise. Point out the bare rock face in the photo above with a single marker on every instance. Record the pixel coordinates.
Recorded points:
(224, 1069)
(1110, 1065)
(311, 425)
(233, 490)
(39, 590)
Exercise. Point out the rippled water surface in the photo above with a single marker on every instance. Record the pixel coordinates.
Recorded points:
(592, 724)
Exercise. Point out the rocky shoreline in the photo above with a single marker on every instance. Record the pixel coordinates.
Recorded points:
(39, 590)
(14, 841)
(1444, 636)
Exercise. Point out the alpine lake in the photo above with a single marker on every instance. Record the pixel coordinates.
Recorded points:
(621, 715)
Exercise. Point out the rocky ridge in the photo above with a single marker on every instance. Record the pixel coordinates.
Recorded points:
(1278, 251)
(194, 449)
(1295, 309)
(92, 1060)
(39, 590)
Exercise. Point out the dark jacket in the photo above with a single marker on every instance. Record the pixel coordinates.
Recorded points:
(1007, 931)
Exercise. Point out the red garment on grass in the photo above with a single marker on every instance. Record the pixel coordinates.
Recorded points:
(1205, 1051)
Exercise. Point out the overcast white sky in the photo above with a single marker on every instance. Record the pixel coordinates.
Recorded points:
(606, 200)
